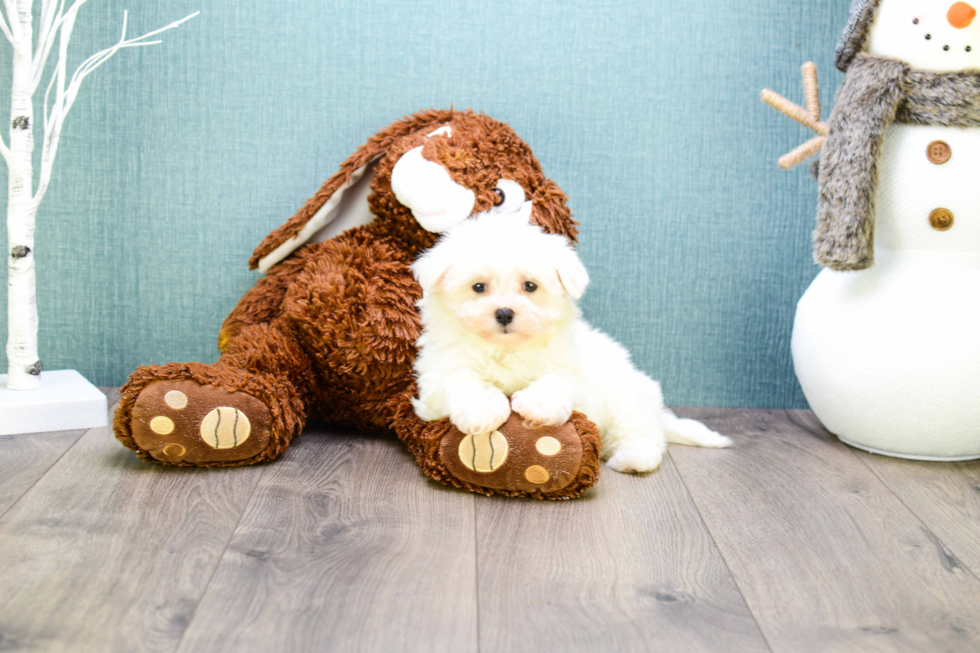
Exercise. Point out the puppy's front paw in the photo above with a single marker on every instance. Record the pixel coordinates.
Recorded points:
(482, 412)
(637, 457)
(540, 408)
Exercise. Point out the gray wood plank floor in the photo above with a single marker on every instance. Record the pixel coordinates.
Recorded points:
(629, 568)
(343, 547)
(790, 541)
(826, 556)
(25, 459)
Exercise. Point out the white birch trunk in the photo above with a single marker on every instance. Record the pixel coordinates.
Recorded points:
(56, 24)
(23, 364)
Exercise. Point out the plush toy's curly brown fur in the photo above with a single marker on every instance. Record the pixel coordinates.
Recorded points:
(330, 332)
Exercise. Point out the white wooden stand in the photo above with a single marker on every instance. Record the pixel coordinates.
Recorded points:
(65, 401)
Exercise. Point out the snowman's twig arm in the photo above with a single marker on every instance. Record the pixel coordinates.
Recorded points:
(794, 111)
(811, 86)
(809, 117)
(802, 153)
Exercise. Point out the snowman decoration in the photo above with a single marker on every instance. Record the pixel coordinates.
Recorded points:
(886, 341)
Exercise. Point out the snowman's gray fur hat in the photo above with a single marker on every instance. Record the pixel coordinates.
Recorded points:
(856, 33)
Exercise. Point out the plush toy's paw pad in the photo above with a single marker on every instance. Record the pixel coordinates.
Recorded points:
(637, 457)
(184, 421)
(484, 453)
(515, 458)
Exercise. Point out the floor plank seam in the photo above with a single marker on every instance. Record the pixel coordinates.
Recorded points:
(924, 526)
(217, 565)
(476, 566)
(56, 461)
(721, 554)
(38, 479)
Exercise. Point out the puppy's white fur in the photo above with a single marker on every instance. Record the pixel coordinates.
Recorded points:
(548, 361)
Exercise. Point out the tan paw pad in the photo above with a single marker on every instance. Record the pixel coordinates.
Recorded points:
(537, 474)
(483, 453)
(162, 425)
(176, 399)
(174, 450)
(548, 446)
(225, 428)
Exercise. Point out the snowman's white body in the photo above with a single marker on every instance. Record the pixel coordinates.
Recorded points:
(889, 357)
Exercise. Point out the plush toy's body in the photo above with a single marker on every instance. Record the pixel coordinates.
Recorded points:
(329, 333)
(884, 342)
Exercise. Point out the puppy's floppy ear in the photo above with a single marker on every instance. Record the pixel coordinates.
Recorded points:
(572, 275)
(551, 212)
(341, 203)
(431, 269)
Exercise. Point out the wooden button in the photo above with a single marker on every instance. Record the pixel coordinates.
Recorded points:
(941, 219)
(939, 152)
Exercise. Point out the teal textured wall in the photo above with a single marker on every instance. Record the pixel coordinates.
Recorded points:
(178, 159)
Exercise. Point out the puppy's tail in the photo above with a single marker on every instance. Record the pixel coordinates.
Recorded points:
(692, 432)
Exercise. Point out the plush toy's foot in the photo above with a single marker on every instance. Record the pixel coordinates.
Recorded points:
(556, 462)
(191, 415)
(185, 422)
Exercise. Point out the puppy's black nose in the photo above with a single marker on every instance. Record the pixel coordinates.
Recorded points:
(505, 316)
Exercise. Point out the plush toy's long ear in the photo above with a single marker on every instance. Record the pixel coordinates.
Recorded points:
(341, 203)
(551, 213)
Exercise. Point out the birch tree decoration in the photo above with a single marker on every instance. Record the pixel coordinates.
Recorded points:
(29, 61)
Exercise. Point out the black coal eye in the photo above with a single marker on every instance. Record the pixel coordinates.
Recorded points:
(915, 21)
(500, 197)
(530, 286)
(479, 287)
(928, 37)
(946, 48)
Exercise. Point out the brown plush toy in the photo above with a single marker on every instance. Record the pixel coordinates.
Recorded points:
(329, 333)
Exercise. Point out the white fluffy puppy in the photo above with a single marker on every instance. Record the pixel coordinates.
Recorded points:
(500, 320)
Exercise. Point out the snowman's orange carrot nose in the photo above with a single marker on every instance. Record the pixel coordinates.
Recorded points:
(961, 15)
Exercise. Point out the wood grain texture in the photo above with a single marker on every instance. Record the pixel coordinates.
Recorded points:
(826, 556)
(345, 547)
(628, 567)
(25, 458)
(108, 553)
(945, 496)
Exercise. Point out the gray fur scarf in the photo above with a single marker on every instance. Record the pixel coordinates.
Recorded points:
(876, 92)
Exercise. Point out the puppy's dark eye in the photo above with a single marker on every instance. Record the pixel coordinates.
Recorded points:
(530, 286)
(479, 287)
(501, 196)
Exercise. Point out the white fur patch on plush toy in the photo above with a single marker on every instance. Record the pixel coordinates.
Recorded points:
(502, 332)
(436, 201)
